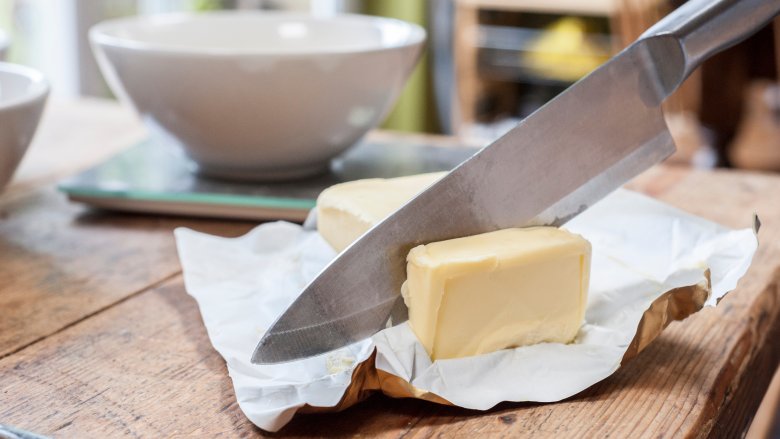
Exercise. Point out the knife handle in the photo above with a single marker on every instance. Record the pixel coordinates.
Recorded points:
(698, 29)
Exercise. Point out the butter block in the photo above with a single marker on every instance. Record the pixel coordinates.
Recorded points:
(346, 211)
(503, 289)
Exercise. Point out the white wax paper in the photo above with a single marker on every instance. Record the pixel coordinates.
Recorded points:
(641, 249)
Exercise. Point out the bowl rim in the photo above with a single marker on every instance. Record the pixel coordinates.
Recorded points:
(98, 34)
(40, 86)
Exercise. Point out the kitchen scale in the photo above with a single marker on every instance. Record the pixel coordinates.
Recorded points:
(155, 177)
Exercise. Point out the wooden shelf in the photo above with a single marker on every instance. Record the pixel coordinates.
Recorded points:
(576, 7)
(520, 38)
(493, 53)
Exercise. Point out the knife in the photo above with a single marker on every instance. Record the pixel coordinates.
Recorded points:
(595, 136)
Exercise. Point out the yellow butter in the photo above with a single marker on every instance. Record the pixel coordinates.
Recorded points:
(487, 292)
(347, 210)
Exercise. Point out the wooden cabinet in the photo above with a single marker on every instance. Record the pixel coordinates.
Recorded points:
(512, 56)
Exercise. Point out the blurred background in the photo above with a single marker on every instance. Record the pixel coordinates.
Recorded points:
(489, 64)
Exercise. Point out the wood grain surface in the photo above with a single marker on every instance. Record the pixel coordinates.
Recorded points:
(61, 262)
(99, 339)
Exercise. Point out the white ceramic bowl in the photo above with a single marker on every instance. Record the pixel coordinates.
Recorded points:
(23, 92)
(259, 95)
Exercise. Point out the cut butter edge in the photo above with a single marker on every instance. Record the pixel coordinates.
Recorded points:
(348, 210)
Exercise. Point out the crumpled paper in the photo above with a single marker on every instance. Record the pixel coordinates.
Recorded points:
(651, 264)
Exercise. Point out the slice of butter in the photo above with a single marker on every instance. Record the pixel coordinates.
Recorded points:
(347, 210)
(497, 290)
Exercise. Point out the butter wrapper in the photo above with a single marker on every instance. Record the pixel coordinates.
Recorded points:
(651, 264)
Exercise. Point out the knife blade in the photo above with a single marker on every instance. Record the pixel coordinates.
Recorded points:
(580, 146)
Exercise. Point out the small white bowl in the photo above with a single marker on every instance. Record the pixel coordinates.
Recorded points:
(259, 95)
(23, 92)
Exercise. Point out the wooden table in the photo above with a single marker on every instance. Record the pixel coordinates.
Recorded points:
(98, 337)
